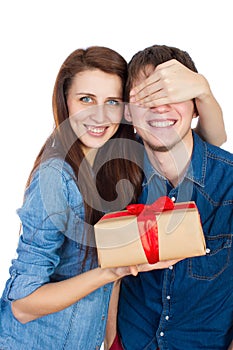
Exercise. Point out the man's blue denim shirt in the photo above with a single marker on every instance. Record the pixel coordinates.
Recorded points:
(52, 248)
(188, 306)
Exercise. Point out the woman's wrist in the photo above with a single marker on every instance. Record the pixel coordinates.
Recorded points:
(113, 274)
(204, 91)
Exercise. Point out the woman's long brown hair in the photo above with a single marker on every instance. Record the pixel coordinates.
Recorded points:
(120, 152)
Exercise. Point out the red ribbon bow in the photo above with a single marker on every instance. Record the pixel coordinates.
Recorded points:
(160, 205)
(147, 224)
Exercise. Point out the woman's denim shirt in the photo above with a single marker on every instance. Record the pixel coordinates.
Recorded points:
(51, 248)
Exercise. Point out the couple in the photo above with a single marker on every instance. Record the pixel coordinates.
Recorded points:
(57, 297)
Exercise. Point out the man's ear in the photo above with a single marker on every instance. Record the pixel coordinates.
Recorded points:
(195, 112)
(127, 114)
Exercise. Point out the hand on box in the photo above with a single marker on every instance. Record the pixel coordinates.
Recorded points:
(156, 266)
(122, 271)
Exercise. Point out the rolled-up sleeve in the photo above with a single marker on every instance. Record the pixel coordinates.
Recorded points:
(44, 217)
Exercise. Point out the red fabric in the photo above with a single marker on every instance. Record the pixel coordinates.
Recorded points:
(116, 345)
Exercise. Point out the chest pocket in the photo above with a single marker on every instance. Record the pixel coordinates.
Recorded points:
(216, 260)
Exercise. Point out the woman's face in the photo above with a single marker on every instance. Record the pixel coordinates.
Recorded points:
(95, 107)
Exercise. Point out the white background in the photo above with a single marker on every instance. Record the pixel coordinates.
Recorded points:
(36, 37)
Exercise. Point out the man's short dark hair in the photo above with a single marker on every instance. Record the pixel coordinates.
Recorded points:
(155, 55)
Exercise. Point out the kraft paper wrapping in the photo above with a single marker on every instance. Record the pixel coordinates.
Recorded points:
(180, 235)
(118, 242)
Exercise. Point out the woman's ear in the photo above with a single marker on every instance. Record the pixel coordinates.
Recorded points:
(127, 113)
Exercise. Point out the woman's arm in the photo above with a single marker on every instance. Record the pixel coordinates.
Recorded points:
(46, 215)
(210, 124)
(54, 297)
(172, 82)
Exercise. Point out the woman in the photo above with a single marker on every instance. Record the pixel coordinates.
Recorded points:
(57, 297)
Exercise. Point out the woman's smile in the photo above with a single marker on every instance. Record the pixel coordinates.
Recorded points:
(95, 130)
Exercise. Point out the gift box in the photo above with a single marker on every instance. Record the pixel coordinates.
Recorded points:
(149, 233)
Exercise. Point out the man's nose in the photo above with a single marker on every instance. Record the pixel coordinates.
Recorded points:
(160, 109)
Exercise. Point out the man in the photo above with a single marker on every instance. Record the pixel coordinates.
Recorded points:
(188, 306)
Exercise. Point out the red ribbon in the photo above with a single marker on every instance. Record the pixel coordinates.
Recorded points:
(147, 224)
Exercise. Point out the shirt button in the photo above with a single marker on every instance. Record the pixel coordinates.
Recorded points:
(173, 199)
(166, 318)
(103, 317)
(161, 334)
(168, 297)
(207, 250)
(170, 267)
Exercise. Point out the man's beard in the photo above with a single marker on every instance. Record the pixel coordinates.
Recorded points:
(161, 149)
(165, 148)
(157, 148)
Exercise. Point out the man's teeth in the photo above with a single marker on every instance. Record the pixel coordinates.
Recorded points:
(161, 124)
(95, 130)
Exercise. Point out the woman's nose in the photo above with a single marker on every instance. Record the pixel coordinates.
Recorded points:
(99, 114)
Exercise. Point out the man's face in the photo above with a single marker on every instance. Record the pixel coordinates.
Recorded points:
(162, 127)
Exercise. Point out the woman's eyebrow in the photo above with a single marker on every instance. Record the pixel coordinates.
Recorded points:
(85, 93)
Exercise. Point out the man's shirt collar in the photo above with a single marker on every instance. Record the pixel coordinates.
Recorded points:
(196, 171)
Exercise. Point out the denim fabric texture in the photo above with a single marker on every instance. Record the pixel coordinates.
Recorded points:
(51, 248)
(189, 305)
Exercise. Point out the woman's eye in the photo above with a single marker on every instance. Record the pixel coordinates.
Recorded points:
(113, 102)
(86, 99)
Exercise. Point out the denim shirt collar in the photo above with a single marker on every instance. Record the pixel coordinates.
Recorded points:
(196, 171)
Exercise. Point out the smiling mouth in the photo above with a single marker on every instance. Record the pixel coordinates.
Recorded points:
(96, 130)
(161, 123)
